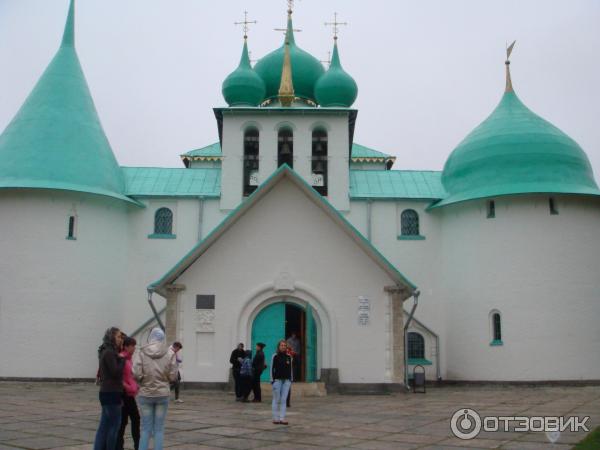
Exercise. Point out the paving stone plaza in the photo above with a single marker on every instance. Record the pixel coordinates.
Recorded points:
(56, 415)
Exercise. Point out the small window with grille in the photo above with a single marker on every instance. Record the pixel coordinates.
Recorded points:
(552, 206)
(491, 209)
(409, 223)
(163, 221)
(416, 346)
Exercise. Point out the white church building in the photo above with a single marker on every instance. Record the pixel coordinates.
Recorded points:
(485, 271)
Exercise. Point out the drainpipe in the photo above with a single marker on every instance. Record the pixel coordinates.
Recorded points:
(154, 311)
(369, 219)
(200, 216)
(408, 321)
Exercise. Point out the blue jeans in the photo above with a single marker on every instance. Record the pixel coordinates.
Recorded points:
(110, 421)
(281, 388)
(154, 412)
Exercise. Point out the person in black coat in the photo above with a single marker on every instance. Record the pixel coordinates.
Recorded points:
(258, 366)
(110, 378)
(281, 380)
(236, 358)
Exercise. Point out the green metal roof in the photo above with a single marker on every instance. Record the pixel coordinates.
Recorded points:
(360, 151)
(243, 86)
(396, 184)
(168, 182)
(56, 141)
(336, 87)
(515, 151)
(210, 151)
(197, 250)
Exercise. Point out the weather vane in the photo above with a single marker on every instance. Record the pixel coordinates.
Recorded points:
(509, 49)
(246, 22)
(336, 25)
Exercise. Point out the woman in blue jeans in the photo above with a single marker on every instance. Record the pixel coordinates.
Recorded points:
(281, 380)
(155, 368)
(110, 378)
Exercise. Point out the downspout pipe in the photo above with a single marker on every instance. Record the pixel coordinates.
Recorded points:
(154, 311)
(406, 325)
(369, 219)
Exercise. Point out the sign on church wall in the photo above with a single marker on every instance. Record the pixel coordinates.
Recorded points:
(205, 313)
(364, 310)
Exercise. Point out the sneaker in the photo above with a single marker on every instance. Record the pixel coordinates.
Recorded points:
(178, 400)
(276, 422)
(283, 422)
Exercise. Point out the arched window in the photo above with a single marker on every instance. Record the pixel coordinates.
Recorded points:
(285, 147)
(319, 161)
(163, 221)
(251, 158)
(496, 326)
(416, 346)
(409, 223)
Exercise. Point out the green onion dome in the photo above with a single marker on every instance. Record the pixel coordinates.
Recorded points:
(306, 69)
(336, 87)
(515, 151)
(243, 86)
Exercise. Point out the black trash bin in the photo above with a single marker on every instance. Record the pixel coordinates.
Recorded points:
(419, 379)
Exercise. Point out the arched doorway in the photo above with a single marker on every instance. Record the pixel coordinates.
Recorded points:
(278, 321)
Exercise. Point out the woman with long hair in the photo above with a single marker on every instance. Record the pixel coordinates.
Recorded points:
(110, 377)
(281, 380)
(155, 368)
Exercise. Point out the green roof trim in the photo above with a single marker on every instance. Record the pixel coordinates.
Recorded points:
(56, 140)
(262, 190)
(170, 182)
(360, 151)
(210, 151)
(396, 184)
(515, 151)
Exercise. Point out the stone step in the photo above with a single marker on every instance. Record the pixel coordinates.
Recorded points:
(316, 389)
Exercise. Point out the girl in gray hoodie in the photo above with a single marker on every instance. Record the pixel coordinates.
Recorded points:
(155, 367)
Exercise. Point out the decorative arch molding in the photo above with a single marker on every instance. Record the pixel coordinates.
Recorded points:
(283, 125)
(301, 295)
(320, 125)
(248, 125)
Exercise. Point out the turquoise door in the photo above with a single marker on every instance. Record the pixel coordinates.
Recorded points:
(269, 328)
(311, 346)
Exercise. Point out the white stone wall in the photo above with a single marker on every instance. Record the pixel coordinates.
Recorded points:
(58, 296)
(285, 233)
(540, 271)
(234, 125)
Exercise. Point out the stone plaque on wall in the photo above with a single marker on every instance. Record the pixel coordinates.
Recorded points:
(205, 313)
(364, 311)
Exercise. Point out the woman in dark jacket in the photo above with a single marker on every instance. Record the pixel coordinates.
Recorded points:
(110, 375)
(281, 380)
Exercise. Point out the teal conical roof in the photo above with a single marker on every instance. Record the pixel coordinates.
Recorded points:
(336, 87)
(243, 87)
(306, 69)
(515, 151)
(56, 140)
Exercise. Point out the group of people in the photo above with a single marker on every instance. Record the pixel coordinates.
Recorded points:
(124, 376)
(247, 372)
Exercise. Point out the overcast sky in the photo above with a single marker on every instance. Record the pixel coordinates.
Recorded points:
(428, 71)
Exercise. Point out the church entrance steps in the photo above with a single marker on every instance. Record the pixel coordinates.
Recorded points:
(316, 389)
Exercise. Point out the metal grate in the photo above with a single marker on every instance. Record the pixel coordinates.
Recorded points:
(416, 346)
(163, 221)
(497, 327)
(409, 223)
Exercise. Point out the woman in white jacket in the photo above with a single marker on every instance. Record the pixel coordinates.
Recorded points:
(154, 367)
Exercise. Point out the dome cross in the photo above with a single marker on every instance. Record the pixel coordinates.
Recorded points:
(246, 22)
(335, 25)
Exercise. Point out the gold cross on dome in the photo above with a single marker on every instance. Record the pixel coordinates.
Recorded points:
(245, 22)
(335, 25)
(290, 5)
